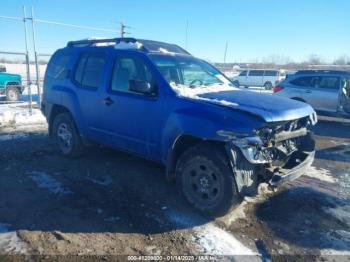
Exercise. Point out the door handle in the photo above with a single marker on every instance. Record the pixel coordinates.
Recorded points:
(108, 101)
(308, 91)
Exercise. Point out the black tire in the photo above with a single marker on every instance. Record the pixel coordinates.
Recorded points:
(66, 136)
(12, 93)
(268, 86)
(246, 86)
(206, 180)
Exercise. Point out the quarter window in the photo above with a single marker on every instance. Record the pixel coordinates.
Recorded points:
(90, 70)
(302, 81)
(126, 69)
(57, 68)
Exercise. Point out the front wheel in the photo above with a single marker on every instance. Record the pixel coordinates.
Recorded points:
(65, 135)
(12, 93)
(206, 180)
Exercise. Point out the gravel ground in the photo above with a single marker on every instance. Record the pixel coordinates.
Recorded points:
(109, 203)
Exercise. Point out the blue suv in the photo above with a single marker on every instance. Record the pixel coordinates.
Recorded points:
(155, 100)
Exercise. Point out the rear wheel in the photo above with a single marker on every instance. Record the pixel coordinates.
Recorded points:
(65, 135)
(206, 180)
(12, 93)
(268, 86)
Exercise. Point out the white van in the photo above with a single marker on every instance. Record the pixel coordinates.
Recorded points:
(259, 77)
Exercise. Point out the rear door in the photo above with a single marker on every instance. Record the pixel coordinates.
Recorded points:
(132, 121)
(255, 77)
(89, 79)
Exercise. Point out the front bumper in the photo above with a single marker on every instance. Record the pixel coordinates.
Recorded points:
(293, 169)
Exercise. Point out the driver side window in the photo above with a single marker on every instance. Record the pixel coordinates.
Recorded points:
(126, 69)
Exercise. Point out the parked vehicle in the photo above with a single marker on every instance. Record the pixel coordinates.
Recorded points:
(156, 101)
(325, 91)
(10, 85)
(257, 77)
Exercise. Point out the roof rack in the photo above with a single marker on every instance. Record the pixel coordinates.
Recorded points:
(147, 45)
(90, 42)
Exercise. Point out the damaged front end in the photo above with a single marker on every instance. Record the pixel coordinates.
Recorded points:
(279, 152)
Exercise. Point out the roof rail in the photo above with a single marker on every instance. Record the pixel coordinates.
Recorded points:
(148, 46)
(321, 71)
(90, 42)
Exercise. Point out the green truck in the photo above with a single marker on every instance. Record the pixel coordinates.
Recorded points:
(10, 85)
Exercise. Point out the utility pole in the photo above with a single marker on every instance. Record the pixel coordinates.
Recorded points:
(27, 60)
(225, 54)
(36, 60)
(122, 30)
(186, 36)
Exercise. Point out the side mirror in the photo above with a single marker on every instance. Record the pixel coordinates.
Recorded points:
(142, 87)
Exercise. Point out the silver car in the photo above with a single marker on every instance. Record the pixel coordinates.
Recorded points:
(325, 91)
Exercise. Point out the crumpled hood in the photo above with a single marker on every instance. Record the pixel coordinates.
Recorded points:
(270, 107)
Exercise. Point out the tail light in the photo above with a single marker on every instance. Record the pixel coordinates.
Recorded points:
(277, 89)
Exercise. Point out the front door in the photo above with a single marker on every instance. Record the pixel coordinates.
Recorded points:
(344, 96)
(132, 121)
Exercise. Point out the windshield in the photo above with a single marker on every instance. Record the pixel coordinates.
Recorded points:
(188, 71)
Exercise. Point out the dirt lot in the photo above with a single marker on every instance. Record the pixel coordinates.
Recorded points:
(110, 203)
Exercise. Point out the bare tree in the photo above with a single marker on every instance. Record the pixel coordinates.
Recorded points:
(314, 59)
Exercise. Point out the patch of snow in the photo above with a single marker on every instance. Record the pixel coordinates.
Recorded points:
(212, 240)
(128, 45)
(333, 252)
(45, 181)
(209, 238)
(194, 93)
(13, 136)
(103, 182)
(341, 213)
(10, 242)
(320, 174)
(20, 116)
(165, 51)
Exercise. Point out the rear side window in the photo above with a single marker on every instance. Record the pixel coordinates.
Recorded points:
(302, 81)
(271, 73)
(57, 68)
(89, 72)
(256, 73)
(243, 73)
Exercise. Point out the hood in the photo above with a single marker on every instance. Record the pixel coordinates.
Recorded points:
(10, 75)
(269, 107)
